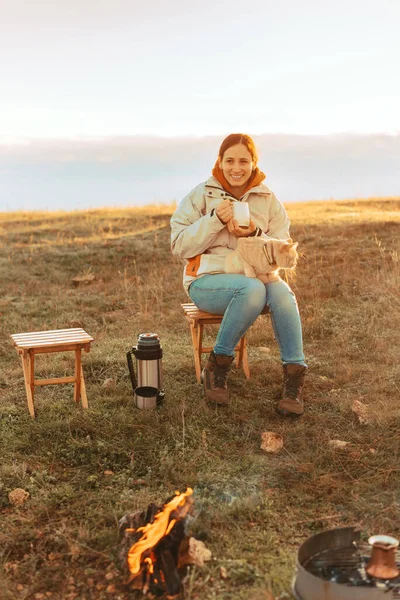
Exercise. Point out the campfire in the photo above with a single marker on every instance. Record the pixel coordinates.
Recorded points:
(156, 546)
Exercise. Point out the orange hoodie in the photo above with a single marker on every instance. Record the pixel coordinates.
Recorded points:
(256, 178)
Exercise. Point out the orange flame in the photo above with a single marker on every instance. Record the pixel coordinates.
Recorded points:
(150, 563)
(154, 532)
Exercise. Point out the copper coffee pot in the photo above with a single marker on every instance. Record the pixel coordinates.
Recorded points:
(382, 562)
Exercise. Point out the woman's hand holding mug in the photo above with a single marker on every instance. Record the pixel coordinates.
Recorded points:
(224, 211)
(239, 231)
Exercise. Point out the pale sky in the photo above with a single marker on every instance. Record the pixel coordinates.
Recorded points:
(90, 68)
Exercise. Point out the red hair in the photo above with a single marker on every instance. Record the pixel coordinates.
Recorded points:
(239, 138)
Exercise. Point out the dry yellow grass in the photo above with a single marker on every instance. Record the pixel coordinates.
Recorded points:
(253, 508)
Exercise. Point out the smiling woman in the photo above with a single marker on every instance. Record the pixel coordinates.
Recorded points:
(204, 233)
(237, 158)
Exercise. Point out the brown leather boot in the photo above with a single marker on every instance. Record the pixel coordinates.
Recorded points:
(214, 376)
(291, 404)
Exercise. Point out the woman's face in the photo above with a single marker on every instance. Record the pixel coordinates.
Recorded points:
(237, 165)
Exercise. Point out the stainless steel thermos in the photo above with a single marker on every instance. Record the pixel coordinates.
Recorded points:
(147, 385)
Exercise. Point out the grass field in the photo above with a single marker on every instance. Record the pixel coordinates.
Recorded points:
(252, 509)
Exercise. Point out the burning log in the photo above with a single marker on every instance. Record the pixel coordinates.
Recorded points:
(154, 547)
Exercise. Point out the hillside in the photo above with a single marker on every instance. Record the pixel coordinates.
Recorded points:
(253, 510)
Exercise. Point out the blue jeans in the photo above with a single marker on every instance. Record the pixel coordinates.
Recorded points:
(241, 299)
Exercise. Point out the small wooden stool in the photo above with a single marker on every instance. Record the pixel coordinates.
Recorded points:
(197, 319)
(43, 342)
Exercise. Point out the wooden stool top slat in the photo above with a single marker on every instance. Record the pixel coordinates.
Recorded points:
(192, 312)
(57, 337)
(69, 330)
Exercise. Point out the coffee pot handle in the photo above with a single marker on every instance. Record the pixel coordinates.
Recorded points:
(131, 369)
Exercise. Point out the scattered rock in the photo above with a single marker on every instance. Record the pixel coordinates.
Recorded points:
(84, 279)
(340, 444)
(108, 472)
(139, 482)
(242, 418)
(53, 556)
(304, 467)
(74, 550)
(18, 496)
(361, 412)
(75, 324)
(355, 453)
(11, 567)
(271, 442)
(223, 573)
(193, 552)
(109, 383)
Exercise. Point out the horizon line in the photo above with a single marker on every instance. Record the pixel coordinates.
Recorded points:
(26, 139)
(171, 203)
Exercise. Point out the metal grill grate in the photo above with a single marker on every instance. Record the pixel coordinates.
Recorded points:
(346, 565)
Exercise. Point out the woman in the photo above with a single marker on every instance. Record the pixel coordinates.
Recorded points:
(203, 233)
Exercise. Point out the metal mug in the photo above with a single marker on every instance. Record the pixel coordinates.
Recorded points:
(146, 397)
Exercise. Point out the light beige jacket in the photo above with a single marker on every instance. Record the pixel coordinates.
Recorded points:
(203, 241)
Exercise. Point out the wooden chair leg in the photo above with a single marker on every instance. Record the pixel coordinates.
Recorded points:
(242, 357)
(27, 367)
(239, 353)
(31, 359)
(78, 375)
(83, 391)
(200, 333)
(196, 349)
(245, 359)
